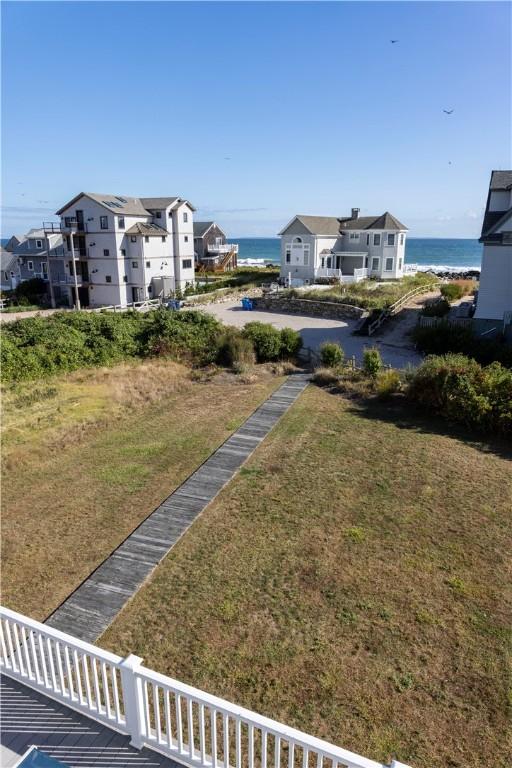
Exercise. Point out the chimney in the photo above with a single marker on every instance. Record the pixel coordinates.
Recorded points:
(355, 213)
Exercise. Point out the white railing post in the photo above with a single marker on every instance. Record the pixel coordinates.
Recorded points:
(397, 764)
(131, 686)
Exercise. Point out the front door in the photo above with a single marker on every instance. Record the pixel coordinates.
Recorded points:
(135, 294)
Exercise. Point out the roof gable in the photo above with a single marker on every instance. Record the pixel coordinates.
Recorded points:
(385, 221)
(312, 225)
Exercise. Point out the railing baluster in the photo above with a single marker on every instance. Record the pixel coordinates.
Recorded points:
(5, 655)
(277, 751)
(26, 652)
(85, 667)
(14, 664)
(39, 677)
(250, 739)
(225, 728)
(68, 672)
(179, 724)
(156, 707)
(190, 719)
(147, 713)
(305, 757)
(115, 693)
(213, 720)
(168, 724)
(291, 754)
(97, 693)
(264, 737)
(60, 669)
(49, 647)
(202, 747)
(18, 649)
(106, 690)
(319, 760)
(238, 742)
(78, 677)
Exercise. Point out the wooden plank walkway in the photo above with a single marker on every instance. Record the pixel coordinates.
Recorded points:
(92, 607)
(28, 718)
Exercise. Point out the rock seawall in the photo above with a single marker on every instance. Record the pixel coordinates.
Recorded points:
(294, 306)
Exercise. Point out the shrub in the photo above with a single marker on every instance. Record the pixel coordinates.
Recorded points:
(31, 291)
(291, 342)
(235, 350)
(452, 291)
(324, 377)
(266, 340)
(459, 388)
(388, 382)
(372, 362)
(331, 354)
(446, 337)
(436, 308)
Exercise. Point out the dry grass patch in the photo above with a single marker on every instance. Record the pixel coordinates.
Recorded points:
(88, 456)
(353, 581)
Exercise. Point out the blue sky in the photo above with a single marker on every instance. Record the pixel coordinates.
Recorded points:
(314, 107)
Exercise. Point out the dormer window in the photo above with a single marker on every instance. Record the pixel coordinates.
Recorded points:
(158, 214)
(39, 243)
(354, 236)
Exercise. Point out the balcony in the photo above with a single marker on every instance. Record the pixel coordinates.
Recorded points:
(337, 274)
(222, 248)
(67, 226)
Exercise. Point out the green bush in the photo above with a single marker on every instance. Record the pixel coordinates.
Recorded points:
(291, 343)
(387, 383)
(436, 308)
(235, 350)
(372, 362)
(266, 340)
(452, 291)
(331, 354)
(446, 337)
(31, 291)
(460, 389)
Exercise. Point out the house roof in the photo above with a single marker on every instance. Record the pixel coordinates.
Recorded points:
(13, 241)
(6, 259)
(157, 203)
(123, 204)
(384, 221)
(202, 227)
(150, 230)
(317, 225)
(500, 180)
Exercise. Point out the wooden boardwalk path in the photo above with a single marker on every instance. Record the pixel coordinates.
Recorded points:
(92, 607)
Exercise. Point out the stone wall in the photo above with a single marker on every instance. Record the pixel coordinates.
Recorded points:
(330, 309)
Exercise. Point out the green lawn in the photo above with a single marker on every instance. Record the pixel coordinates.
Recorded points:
(87, 456)
(352, 581)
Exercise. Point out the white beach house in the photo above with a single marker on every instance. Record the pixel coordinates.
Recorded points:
(351, 248)
(119, 249)
(494, 303)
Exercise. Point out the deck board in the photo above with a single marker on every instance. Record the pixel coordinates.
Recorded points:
(93, 606)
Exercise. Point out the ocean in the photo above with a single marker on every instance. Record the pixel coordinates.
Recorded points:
(438, 254)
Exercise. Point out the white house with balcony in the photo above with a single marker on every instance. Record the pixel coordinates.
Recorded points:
(494, 302)
(347, 249)
(119, 249)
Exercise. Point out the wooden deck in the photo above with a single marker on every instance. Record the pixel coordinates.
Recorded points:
(89, 610)
(28, 718)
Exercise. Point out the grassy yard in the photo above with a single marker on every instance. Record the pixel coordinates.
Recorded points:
(86, 457)
(352, 581)
(368, 293)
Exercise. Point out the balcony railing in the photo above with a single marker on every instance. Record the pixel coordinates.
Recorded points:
(195, 728)
(222, 248)
(355, 277)
(67, 225)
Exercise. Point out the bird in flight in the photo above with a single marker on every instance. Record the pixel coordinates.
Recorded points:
(394, 41)
(448, 111)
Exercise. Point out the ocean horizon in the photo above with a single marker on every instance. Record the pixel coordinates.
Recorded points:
(429, 253)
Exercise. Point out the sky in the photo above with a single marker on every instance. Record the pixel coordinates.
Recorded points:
(258, 111)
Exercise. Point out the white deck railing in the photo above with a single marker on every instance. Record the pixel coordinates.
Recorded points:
(358, 274)
(189, 725)
(222, 248)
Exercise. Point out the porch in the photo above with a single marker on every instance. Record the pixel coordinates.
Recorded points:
(343, 267)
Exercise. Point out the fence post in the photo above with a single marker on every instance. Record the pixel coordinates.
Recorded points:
(131, 687)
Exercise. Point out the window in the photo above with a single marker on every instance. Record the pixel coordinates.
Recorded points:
(391, 239)
(123, 251)
(328, 262)
(297, 239)
(30, 265)
(354, 236)
(125, 278)
(366, 262)
(288, 254)
(306, 255)
(389, 264)
(164, 238)
(186, 264)
(375, 265)
(135, 264)
(44, 267)
(103, 222)
(186, 238)
(146, 239)
(367, 239)
(148, 264)
(376, 239)
(108, 278)
(401, 239)
(39, 243)
(106, 252)
(185, 217)
(120, 221)
(133, 239)
(159, 214)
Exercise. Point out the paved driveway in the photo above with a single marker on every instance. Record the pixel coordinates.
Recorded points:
(315, 330)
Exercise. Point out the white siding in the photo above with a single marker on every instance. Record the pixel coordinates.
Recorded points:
(495, 291)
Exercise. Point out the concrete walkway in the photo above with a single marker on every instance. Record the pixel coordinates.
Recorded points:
(96, 602)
